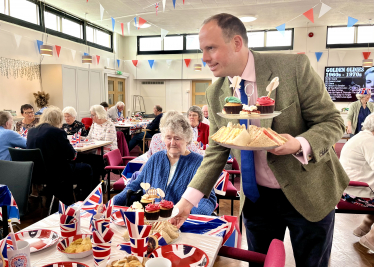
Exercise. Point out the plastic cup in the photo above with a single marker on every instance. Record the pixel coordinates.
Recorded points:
(158, 262)
(21, 256)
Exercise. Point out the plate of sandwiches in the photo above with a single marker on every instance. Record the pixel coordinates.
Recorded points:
(256, 138)
(253, 116)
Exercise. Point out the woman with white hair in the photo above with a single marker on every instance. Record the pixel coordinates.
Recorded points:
(200, 129)
(102, 129)
(358, 111)
(172, 169)
(72, 126)
(8, 138)
(357, 159)
(116, 111)
(59, 157)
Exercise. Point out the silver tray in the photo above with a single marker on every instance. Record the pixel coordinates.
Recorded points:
(250, 116)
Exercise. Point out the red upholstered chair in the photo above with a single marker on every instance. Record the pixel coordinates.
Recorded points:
(338, 148)
(115, 163)
(346, 207)
(87, 123)
(276, 256)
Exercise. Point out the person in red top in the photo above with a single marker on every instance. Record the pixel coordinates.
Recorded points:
(200, 130)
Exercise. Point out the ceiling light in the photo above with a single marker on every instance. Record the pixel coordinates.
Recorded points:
(145, 25)
(248, 18)
(367, 63)
(198, 67)
(87, 59)
(46, 50)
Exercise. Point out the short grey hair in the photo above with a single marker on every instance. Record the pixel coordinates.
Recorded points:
(53, 116)
(179, 125)
(99, 111)
(197, 110)
(71, 111)
(168, 115)
(120, 104)
(5, 116)
(369, 123)
(368, 71)
(360, 96)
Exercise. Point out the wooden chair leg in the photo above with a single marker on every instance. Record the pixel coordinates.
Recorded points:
(232, 207)
(218, 206)
(241, 222)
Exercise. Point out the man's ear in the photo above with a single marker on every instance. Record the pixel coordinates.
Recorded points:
(238, 43)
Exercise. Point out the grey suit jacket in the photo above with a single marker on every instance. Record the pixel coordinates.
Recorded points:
(307, 110)
(112, 113)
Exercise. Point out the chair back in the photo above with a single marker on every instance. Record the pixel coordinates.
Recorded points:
(39, 174)
(87, 122)
(122, 144)
(276, 256)
(17, 176)
(114, 158)
(235, 165)
(338, 148)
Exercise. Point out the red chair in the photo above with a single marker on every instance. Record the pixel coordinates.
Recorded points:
(276, 256)
(115, 163)
(338, 148)
(87, 123)
(346, 207)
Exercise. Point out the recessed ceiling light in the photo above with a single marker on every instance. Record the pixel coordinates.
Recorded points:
(248, 18)
(145, 25)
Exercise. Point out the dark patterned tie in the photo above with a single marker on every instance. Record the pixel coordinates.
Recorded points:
(247, 160)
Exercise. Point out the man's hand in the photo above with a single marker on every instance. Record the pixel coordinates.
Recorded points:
(349, 129)
(185, 208)
(290, 147)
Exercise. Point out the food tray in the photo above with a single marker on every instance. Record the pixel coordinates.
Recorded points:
(250, 116)
(247, 147)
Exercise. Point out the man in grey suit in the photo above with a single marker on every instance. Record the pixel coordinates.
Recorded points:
(296, 185)
(116, 111)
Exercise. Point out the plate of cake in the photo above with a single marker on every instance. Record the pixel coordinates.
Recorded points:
(256, 138)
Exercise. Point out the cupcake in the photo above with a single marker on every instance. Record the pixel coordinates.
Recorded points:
(152, 212)
(145, 200)
(265, 104)
(136, 206)
(233, 105)
(166, 208)
(249, 110)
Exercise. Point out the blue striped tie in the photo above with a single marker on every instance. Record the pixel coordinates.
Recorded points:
(247, 160)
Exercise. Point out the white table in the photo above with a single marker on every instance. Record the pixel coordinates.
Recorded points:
(97, 144)
(209, 244)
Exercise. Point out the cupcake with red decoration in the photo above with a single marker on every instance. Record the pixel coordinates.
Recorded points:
(265, 104)
(166, 208)
(152, 212)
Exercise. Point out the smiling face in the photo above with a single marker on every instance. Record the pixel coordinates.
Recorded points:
(120, 108)
(175, 145)
(28, 114)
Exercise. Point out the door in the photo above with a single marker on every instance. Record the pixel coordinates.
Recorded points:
(198, 92)
(116, 91)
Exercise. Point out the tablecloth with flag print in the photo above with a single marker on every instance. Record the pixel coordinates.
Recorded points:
(6, 199)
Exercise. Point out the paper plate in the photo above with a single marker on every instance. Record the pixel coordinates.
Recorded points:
(38, 239)
(247, 147)
(250, 116)
(66, 264)
(64, 243)
(182, 255)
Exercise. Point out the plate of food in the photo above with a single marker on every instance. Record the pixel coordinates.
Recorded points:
(182, 255)
(255, 138)
(38, 239)
(129, 261)
(66, 264)
(76, 247)
(250, 116)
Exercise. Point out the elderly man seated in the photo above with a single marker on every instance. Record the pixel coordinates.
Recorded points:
(357, 159)
(116, 111)
(153, 128)
(172, 169)
(204, 109)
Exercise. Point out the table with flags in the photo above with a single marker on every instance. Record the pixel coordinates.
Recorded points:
(8, 207)
(132, 126)
(207, 233)
(81, 143)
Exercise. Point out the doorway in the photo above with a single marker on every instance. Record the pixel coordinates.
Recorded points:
(198, 92)
(116, 91)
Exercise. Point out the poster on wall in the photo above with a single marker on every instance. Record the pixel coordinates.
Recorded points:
(343, 83)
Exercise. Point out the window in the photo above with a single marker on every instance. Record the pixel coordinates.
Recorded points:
(52, 21)
(90, 34)
(72, 28)
(20, 9)
(275, 38)
(173, 43)
(192, 42)
(340, 35)
(103, 38)
(150, 44)
(256, 39)
(365, 34)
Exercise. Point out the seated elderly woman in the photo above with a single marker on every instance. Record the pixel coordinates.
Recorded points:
(357, 159)
(172, 169)
(157, 143)
(8, 138)
(59, 158)
(200, 129)
(72, 126)
(102, 129)
(28, 120)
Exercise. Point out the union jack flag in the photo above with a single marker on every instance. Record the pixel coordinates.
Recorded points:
(138, 231)
(221, 185)
(23, 132)
(101, 253)
(69, 229)
(134, 217)
(156, 5)
(230, 159)
(139, 246)
(365, 91)
(93, 200)
(8, 200)
(5, 245)
(73, 140)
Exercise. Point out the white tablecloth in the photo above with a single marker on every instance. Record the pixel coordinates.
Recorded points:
(209, 244)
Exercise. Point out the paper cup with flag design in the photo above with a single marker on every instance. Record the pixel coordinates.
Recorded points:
(69, 229)
(139, 246)
(101, 253)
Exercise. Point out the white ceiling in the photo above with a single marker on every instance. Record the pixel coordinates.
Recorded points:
(187, 18)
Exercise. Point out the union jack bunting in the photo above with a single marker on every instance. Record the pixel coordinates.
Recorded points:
(156, 5)
(101, 253)
(365, 91)
(23, 132)
(6, 199)
(221, 185)
(139, 246)
(93, 200)
(136, 218)
(5, 245)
